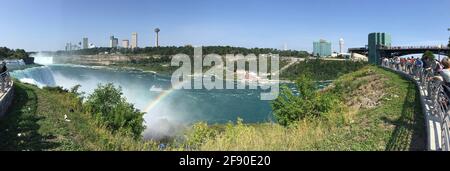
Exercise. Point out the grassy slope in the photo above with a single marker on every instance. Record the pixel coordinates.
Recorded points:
(38, 115)
(395, 124)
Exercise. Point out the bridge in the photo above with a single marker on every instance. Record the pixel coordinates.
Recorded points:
(392, 51)
(6, 92)
(435, 101)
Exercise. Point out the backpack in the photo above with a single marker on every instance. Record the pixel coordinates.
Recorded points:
(419, 63)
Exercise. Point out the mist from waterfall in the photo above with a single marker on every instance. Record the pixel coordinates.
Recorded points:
(43, 59)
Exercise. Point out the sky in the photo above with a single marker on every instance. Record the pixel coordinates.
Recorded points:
(40, 25)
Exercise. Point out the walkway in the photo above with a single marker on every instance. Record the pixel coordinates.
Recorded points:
(435, 107)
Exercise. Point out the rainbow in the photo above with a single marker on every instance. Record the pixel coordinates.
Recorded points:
(160, 98)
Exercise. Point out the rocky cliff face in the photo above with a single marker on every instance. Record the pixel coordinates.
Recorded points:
(97, 59)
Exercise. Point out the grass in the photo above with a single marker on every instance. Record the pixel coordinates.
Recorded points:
(36, 123)
(395, 122)
(366, 120)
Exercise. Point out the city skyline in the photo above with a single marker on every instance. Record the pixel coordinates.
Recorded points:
(238, 23)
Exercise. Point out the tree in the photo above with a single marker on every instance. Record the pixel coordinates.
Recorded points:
(289, 108)
(15, 54)
(112, 110)
(428, 55)
(20, 54)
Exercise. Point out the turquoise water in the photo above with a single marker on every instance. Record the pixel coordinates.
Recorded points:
(178, 108)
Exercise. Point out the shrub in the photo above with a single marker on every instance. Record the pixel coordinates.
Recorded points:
(199, 134)
(112, 110)
(57, 89)
(289, 108)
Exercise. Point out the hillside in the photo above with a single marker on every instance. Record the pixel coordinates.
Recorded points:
(36, 123)
(379, 111)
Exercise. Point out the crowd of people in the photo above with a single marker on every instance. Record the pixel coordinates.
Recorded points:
(425, 67)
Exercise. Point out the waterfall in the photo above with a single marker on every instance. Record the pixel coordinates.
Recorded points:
(39, 76)
(43, 59)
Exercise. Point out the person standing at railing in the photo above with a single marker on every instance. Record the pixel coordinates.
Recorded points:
(445, 72)
(385, 62)
(397, 63)
(3, 77)
(403, 64)
(438, 67)
(418, 66)
(409, 64)
(4, 68)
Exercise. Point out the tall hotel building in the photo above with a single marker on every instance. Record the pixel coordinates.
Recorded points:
(134, 40)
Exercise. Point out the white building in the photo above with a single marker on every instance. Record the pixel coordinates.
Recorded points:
(85, 43)
(134, 40)
(341, 46)
(126, 44)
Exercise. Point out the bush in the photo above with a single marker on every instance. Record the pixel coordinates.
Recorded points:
(57, 89)
(199, 134)
(112, 110)
(289, 108)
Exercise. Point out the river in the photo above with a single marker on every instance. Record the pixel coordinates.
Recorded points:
(166, 109)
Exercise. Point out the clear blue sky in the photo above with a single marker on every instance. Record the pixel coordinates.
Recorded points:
(49, 24)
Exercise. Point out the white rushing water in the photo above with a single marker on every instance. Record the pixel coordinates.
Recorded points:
(39, 76)
(43, 60)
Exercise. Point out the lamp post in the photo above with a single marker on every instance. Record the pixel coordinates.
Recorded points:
(439, 52)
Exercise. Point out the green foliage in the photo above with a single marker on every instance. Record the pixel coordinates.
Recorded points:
(289, 108)
(166, 52)
(322, 69)
(111, 110)
(57, 89)
(198, 135)
(428, 55)
(6, 53)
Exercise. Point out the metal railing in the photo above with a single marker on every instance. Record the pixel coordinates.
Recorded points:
(437, 94)
(5, 81)
(442, 47)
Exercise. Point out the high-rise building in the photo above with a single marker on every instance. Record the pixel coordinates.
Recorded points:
(68, 46)
(377, 41)
(134, 40)
(322, 48)
(113, 42)
(341, 46)
(126, 44)
(85, 43)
